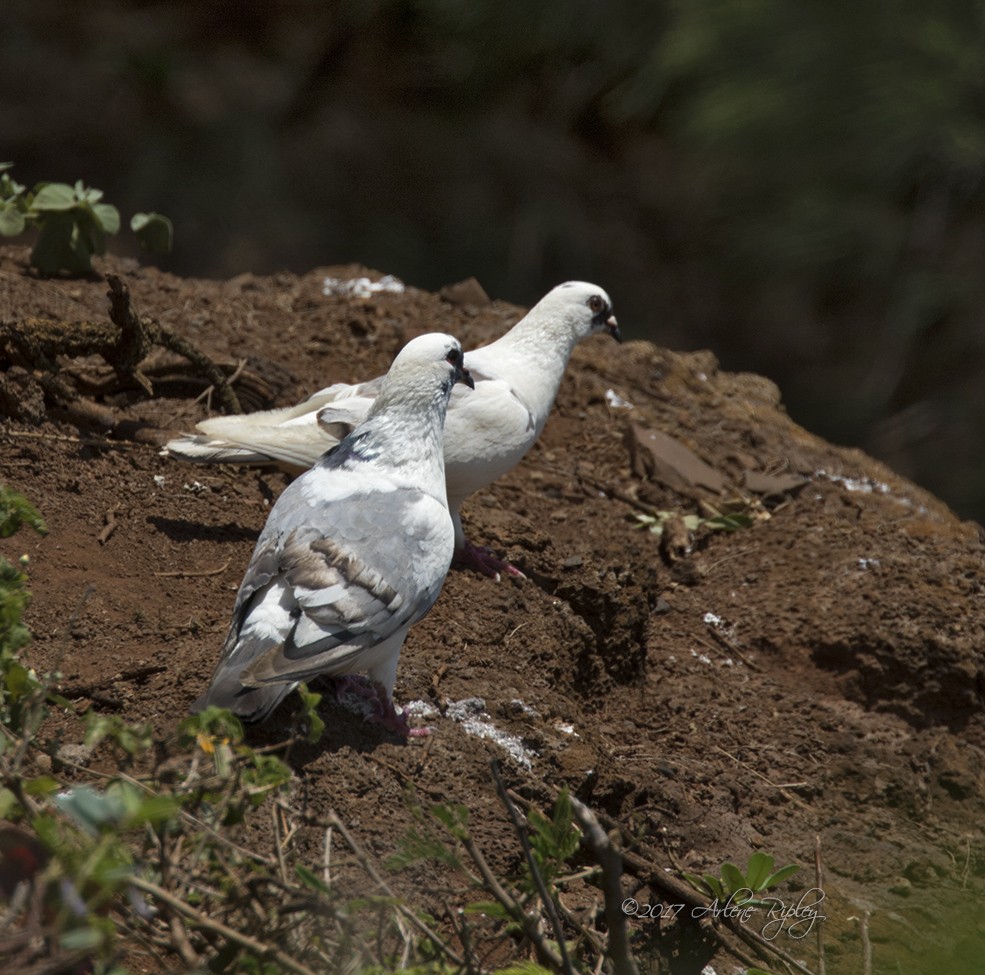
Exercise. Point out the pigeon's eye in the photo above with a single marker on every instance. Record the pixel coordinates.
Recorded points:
(454, 357)
(596, 304)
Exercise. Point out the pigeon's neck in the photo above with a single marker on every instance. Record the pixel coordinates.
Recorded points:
(533, 356)
(408, 426)
(543, 337)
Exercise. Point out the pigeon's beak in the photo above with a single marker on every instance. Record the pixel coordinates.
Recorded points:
(462, 375)
(612, 327)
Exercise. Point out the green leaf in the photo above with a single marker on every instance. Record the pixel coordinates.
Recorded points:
(8, 803)
(16, 510)
(415, 847)
(6, 166)
(491, 909)
(81, 939)
(89, 233)
(714, 886)
(729, 523)
(311, 880)
(453, 816)
(212, 722)
(54, 197)
(88, 194)
(758, 869)
(19, 681)
(59, 246)
(734, 880)
(91, 809)
(108, 216)
(780, 876)
(694, 880)
(43, 785)
(309, 713)
(11, 220)
(154, 231)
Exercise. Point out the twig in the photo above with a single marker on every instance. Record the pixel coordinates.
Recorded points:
(611, 863)
(333, 821)
(327, 858)
(62, 438)
(863, 930)
(276, 812)
(818, 882)
(80, 605)
(194, 574)
(138, 333)
(682, 893)
(217, 927)
(549, 907)
(781, 787)
(733, 648)
(526, 921)
(138, 673)
(179, 936)
(679, 892)
(111, 523)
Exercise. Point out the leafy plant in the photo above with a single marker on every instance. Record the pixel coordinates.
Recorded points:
(519, 902)
(73, 223)
(726, 521)
(743, 889)
(20, 688)
(131, 738)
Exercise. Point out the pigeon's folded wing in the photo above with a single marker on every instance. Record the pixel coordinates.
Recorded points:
(314, 599)
(486, 433)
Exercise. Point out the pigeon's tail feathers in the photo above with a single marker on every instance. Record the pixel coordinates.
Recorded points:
(202, 449)
(248, 703)
(293, 438)
(295, 448)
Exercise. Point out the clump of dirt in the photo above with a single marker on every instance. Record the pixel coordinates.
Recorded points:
(814, 675)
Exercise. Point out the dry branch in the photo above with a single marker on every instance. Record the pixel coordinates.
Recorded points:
(124, 342)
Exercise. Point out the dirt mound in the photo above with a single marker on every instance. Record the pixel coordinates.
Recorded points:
(816, 672)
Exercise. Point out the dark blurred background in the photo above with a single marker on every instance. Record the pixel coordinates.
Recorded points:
(797, 186)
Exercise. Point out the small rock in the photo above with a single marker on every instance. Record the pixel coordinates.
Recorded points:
(467, 292)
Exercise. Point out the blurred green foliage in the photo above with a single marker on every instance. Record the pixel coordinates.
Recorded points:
(798, 187)
(72, 223)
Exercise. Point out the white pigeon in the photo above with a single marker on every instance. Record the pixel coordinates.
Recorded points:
(487, 431)
(354, 551)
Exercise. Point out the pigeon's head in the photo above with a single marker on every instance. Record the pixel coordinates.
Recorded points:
(586, 306)
(434, 355)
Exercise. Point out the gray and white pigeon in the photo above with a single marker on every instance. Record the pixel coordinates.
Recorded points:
(355, 550)
(487, 431)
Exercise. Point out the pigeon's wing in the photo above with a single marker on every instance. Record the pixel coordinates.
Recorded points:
(332, 581)
(487, 430)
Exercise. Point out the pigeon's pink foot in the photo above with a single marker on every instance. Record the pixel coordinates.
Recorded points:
(485, 562)
(378, 707)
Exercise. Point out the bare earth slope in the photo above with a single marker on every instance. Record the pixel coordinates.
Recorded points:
(817, 673)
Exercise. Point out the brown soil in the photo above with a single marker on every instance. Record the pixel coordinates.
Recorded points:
(819, 673)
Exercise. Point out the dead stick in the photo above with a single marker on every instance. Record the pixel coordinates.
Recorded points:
(513, 908)
(335, 822)
(84, 690)
(610, 861)
(111, 523)
(818, 878)
(773, 785)
(217, 927)
(549, 906)
(192, 574)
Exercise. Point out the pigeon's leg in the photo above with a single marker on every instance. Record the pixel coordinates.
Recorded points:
(484, 561)
(379, 708)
